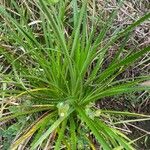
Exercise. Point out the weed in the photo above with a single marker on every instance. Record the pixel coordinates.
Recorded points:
(56, 76)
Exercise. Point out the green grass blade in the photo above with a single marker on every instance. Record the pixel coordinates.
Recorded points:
(23, 113)
(123, 113)
(31, 131)
(46, 134)
(125, 62)
(113, 134)
(73, 138)
(93, 128)
(60, 135)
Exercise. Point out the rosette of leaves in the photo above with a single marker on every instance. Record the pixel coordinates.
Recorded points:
(56, 75)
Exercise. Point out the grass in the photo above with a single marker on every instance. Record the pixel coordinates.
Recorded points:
(56, 75)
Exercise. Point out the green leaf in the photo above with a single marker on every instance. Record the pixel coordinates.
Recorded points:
(93, 128)
(52, 1)
(60, 135)
(123, 113)
(23, 113)
(73, 138)
(31, 130)
(113, 135)
(125, 62)
(47, 133)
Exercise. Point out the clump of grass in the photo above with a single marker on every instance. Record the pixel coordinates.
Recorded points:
(57, 75)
